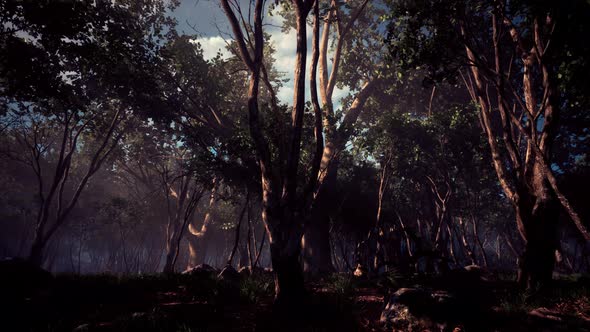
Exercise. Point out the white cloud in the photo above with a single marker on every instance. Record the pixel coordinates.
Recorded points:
(285, 94)
(211, 46)
(285, 46)
(338, 94)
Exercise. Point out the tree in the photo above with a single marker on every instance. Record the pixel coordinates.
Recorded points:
(68, 83)
(513, 50)
(347, 48)
(350, 33)
(195, 236)
(282, 211)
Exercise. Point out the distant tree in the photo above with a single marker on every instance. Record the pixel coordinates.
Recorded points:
(73, 73)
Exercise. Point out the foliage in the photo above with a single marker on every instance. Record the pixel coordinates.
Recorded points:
(256, 287)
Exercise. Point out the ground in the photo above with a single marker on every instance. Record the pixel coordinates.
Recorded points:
(205, 303)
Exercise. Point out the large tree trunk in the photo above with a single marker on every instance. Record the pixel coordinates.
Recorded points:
(536, 263)
(316, 239)
(281, 212)
(289, 290)
(317, 256)
(316, 245)
(289, 285)
(537, 216)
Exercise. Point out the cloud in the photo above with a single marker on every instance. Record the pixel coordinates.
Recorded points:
(285, 94)
(211, 46)
(285, 43)
(285, 47)
(338, 94)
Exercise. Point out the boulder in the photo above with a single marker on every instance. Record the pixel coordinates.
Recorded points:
(229, 274)
(244, 272)
(201, 270)
(416, 309)
(478, 272)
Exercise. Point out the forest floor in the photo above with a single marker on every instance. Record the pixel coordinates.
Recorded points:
(182, 303)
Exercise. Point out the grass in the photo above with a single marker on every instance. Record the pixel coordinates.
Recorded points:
(256, 287)
(186, 303)
(341, 284)
(566, 290)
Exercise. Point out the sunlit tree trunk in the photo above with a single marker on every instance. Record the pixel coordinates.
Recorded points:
(316, 241)
(283, 211)
(196, 236)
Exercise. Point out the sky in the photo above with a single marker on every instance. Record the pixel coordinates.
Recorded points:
(207, 19)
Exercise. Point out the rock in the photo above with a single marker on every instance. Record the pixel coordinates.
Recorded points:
(415, 309)
(402, 312)
(229, 274)
(201, 270)
(479, 272)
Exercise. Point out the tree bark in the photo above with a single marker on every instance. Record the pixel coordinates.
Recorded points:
(237, 236)
(281, 213)
(316, 245)
(529, 186)
(195, 236)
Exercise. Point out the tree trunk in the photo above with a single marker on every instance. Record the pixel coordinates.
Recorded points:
(316, 239)
(170, 253)
(36, 254)
(259, 252)
(281, 212)
(536, 263)
(195, 236)
(469, 252)
(289, 287)
(237, 237)
(193, 250)
(171, 245)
